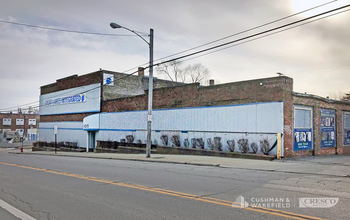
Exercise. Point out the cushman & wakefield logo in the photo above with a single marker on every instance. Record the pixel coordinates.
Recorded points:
(317, 202)
(282, 203)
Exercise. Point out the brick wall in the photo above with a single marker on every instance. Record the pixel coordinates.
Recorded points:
(317, 104)
(64, 117)
(72, 82)
(192, 95)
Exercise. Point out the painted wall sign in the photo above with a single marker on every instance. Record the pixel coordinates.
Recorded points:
(328, 128)
(108, 79)
(302, 139)
(66, 100)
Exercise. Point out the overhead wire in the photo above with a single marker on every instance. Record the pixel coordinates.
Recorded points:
(238, 33)
(70, 31)
(266, 35)
(251, 36)
(234, 41)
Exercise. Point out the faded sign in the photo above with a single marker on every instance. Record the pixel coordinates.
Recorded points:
(66, 100)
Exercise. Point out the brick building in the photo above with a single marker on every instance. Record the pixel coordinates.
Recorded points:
(249, 110)
(20, 122)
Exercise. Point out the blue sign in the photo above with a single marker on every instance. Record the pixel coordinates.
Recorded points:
(302, 139)
(328, 128)
(66, 100)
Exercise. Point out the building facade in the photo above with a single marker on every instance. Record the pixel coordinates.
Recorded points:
(25, 124)
(96, 106)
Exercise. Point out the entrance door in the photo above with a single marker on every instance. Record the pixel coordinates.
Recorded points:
(91, 140)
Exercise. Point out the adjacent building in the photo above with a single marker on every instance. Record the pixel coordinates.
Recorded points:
(109, 106)
(25, 124)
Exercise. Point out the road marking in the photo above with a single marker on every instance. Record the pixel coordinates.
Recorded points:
(16, 212)
(174, 193)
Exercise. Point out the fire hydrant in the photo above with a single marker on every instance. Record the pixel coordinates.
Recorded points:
(21, 149)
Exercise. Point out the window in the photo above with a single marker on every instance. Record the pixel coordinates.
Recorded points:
(19, 121)
(347, 120)
(4, 130)
(302, 133)
(32, 121)
(302, 118)
(6, 121)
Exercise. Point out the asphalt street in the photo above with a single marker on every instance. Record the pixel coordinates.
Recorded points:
(49, 187)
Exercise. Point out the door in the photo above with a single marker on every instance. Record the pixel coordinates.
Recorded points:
(91, 141)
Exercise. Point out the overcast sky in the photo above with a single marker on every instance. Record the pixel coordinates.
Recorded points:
(315, 55)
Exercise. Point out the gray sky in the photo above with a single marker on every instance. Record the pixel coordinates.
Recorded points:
(315, 55)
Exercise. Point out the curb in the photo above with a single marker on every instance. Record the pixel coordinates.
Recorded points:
(186, 163)
(129, 159)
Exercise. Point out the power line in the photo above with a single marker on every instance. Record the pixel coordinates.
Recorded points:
(238, 40)
(70, 31)
(253, 35)
(266, 35)
(238, 33)
(245, 31)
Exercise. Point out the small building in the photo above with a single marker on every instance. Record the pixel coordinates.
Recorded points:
(109, 106)
(25, 124)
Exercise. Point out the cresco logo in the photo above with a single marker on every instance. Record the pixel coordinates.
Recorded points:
(317, 202)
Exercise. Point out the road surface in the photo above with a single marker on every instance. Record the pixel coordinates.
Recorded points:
(49, 187)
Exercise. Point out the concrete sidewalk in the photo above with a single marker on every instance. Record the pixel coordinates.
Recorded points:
(332, 165)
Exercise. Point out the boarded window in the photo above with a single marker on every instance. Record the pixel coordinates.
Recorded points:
(6, 121)
(19, 121)
(32, 121)
(302, 118)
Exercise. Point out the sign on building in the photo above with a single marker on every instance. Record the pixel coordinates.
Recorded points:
(108, 79)
(328, 128)
(66, 100)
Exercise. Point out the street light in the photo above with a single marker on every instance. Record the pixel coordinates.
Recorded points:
(150, 85)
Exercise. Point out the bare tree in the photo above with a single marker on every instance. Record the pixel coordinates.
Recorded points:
(346, 97)
(36, 111)
(337, 95)
(195, 73)
(173, 70)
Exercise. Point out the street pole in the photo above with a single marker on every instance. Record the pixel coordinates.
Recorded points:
(150, 85)
(150, 97)
(24, 130)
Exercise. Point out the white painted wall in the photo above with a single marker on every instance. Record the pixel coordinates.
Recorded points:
(249, 121)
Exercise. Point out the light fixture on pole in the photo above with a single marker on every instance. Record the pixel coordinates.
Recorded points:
(150, 85)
